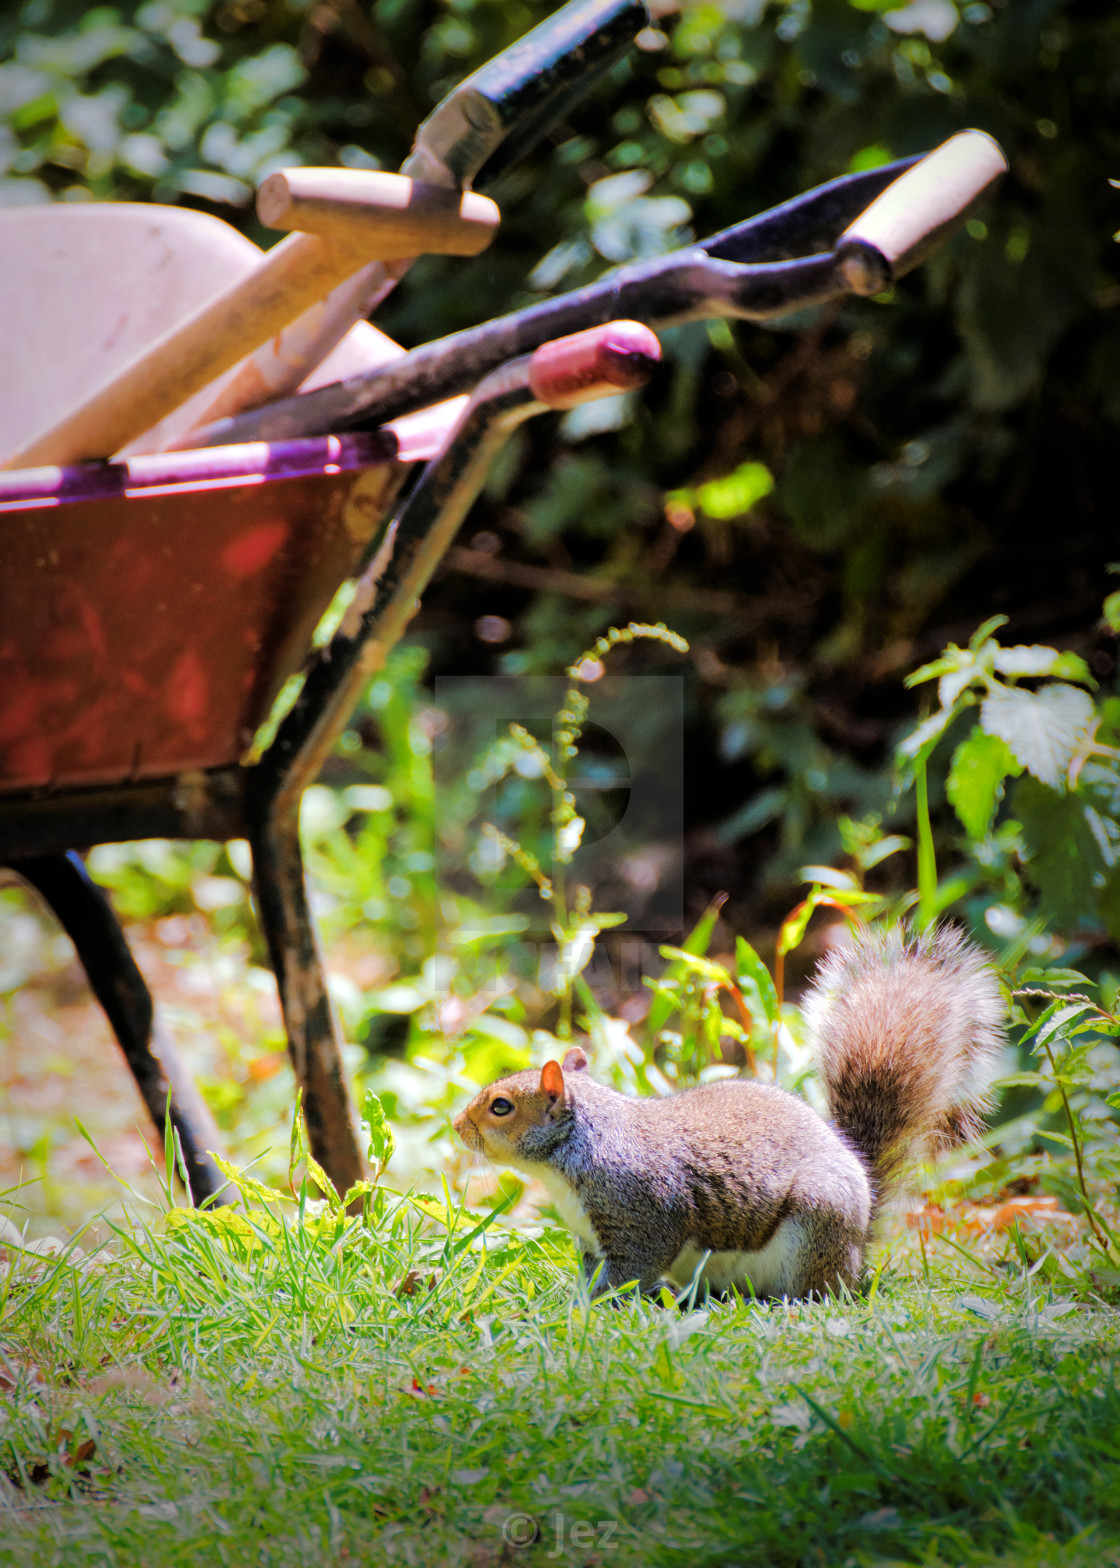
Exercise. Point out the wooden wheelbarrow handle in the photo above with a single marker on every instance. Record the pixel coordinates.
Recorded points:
(385, 216)
(912, 216)
(357, 217)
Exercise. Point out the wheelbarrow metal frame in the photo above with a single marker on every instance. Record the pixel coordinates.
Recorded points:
(782, 260)
(39, 831)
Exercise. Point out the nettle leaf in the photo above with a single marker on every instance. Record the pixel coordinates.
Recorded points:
(247, 1186)
(1054, 978)
(1035, 659)
(1042, 728)
(925, 737)
(1063, 857)
(952, 661)
(976, 778)
(1072, 667)
(954, 682)
(382, 1144)
(748, 966)
(1024, 660)
(983, 632)
(1057, 1025)
(323, 1182)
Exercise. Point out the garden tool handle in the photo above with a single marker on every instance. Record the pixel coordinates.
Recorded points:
(289, 279)
(382, 216)
(492, 119)
(911, 216)
(506, 106)
(599, 362)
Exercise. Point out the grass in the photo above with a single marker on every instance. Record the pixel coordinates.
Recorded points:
(417, 1389)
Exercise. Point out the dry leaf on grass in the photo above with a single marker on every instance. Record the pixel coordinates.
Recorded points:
(412, 1283)
(39, 1471)
(981, 1220)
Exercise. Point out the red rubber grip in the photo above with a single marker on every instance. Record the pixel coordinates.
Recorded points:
(616, 357)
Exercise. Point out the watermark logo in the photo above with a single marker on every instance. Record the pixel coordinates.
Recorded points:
(563, 1536)
(626, 782)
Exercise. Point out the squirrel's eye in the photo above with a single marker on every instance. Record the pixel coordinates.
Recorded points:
(501, 1106)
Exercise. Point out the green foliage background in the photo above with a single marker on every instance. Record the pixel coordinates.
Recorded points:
(818, 504)
(938, 458)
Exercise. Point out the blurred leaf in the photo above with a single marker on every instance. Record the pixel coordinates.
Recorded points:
(823, 491)
(701, 934)
(1011, 314)
(748, 965)
(689, 963)
(976, 778)
(298, 1143)
(382, 1143)
(1041, 728)
(247, 1186)
(795, 924)
(360, 1189)
(828, 876)
(323, 1182)
(892, 844)
(1064, 856)
(731, 496)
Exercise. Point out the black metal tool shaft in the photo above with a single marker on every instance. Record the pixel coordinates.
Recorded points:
(504, 108)
(720, 277)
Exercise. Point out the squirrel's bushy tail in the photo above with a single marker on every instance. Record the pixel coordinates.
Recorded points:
(907, 1033)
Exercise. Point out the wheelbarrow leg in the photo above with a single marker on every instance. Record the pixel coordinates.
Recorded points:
(314, 1042)
(86, 915)
(560, 375)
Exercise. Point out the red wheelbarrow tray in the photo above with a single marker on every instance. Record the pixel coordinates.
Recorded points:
(151, 609)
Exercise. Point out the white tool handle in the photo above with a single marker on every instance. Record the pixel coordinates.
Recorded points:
(913, 213)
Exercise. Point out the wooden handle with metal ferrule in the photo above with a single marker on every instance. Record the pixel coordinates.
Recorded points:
(616, 357)
(913, 214)
(387, 215)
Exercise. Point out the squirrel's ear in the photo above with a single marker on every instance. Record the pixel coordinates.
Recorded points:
(575, 1060)
(552, 1081)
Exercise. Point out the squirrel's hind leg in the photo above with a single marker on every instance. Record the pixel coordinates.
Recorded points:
(829, 1257)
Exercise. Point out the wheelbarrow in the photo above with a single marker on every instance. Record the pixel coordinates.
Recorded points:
(170, 543)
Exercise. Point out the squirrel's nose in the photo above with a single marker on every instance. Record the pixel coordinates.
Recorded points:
(465, 1128)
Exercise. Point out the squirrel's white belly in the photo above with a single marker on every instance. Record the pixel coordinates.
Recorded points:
(566, 1202)
(769, 1271)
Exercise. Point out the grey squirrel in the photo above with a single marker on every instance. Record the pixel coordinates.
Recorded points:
(907, 1032)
